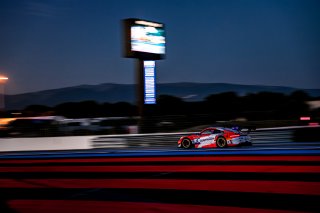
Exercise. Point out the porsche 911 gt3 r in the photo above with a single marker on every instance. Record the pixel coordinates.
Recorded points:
(215, 137)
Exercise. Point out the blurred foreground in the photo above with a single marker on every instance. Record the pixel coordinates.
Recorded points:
(206, 181)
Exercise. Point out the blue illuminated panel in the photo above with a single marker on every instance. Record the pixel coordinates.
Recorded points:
(149, 82)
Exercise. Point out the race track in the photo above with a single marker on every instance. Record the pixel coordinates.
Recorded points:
(261, 178)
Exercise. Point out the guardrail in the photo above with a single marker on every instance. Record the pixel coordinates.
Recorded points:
(260, 136)
(279, 136)
(270, 136)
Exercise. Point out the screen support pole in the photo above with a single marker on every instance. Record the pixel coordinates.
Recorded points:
(140, 92)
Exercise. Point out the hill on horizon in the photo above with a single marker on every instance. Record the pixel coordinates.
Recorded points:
(112, 93)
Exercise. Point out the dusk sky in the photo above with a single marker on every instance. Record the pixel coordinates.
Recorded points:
(47, 44)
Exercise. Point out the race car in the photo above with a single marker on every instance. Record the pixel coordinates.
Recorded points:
(212, 137)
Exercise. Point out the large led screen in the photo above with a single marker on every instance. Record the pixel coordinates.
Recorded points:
(144, 39)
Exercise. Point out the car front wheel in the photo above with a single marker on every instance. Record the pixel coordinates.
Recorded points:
(186, 143)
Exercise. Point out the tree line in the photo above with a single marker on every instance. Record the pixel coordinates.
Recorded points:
(223, 106)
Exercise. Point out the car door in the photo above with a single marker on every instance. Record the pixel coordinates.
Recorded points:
(206, 138)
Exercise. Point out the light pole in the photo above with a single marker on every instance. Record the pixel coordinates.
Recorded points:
(3, 80)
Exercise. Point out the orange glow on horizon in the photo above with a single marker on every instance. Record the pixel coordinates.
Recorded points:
(3, 79)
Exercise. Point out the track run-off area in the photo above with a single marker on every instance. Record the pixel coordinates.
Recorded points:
(283, 178)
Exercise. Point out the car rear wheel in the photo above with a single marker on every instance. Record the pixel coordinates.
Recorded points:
(221, 142)
(186, 143)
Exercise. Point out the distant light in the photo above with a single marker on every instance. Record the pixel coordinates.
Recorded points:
(305, 118)
(4, 78)
(314, 124)
(5, 121)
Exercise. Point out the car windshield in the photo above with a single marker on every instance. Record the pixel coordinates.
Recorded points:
(207, 132)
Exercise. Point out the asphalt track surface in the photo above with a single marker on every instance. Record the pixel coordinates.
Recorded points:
(261, 178)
